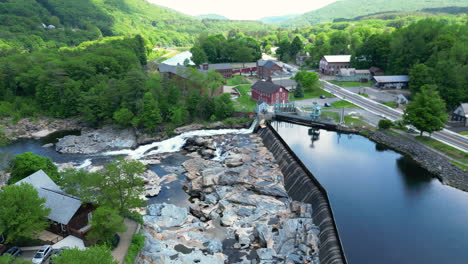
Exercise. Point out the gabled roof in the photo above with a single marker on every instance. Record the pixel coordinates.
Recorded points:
(266, 87)
(219, 66)
(392, 78)
(62, 206)
(177, 70)
(269, 63)
(465, 108)
(337, 58)
(40, 179)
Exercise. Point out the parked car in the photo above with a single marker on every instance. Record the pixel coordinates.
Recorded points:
(56, 253)
(42, 254)
(327, 105)
(323, 96)
(115, 241)
(14, 251)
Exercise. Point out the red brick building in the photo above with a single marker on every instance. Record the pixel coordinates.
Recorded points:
(267, 91)
(331, 64)
(225, 69)
(266, 68)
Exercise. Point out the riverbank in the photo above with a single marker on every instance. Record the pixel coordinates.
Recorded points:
(238, 209)
(430, 160)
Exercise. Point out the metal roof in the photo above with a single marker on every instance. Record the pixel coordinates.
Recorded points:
(62, 206)
(337, 58)
(465, 108)
(391, 78)
(218, 66)
(270, 63)
(40, 179)
(179, 59)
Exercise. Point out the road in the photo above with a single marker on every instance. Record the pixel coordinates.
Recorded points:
(445, 136)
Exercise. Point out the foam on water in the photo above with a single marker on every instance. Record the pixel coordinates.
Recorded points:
(176, 143)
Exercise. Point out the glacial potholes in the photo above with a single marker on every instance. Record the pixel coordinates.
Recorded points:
(228, 204)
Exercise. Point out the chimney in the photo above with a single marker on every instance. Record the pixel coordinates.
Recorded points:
(205, 66)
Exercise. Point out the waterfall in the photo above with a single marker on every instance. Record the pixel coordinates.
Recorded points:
(85, 164)
(176, 143)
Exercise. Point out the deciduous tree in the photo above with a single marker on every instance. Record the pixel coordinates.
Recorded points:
(427, 110)
(22, 212)
(95, 254)
(105, 223)
(28, 163)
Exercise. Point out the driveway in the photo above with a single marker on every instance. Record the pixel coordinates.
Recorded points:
(120, 252)
(374, 94)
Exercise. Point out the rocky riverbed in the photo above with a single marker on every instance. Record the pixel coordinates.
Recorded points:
(37, 128)
(237, 210)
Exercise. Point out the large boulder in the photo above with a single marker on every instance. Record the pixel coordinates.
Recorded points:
(96, 141)
(166, 215)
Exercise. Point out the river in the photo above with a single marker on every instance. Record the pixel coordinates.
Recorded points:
(388, 210)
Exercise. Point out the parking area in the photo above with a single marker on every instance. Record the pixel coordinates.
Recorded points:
(376, 94)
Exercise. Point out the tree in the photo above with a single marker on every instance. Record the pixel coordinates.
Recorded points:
(385, 124)
(427, 110)
(22, 212)
(198, 55)
(420, 75)
(296, 46)
(151, 115)
(123, 116)
(121, 185)
(244, 54)
(95, 254)
(298, 92)
(213, 81)
(224, 106)
(308, 80)
(28, 163)
(104, 224)
(9, 259)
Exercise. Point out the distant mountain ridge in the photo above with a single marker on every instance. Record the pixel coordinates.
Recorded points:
(347, 9)
(213, 16)
(277, 19)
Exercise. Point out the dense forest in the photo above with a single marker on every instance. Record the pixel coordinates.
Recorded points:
(347, 9)
(31, 25)
(430, 50)
(219, 49)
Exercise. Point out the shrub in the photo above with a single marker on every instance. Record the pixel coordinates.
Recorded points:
(385, 124)
(27, 163)
(138, 242)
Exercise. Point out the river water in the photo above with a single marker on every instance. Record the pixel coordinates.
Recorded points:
(388, 210)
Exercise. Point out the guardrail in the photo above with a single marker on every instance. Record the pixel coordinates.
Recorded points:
(303, 186)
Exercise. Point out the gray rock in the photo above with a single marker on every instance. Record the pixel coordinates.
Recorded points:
(48, 145)
(214, 246)
(101, 140)
(210, 176)
(233, 160)
(265, 254)
(166, 215)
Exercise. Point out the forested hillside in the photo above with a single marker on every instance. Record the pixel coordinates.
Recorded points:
(354, 8)
(72, 22)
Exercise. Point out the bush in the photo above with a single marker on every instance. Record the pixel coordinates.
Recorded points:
(134, 216)
(28, 163)
(385, 124)
(138, 242)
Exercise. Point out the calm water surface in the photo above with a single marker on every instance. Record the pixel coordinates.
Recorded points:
(388, 210)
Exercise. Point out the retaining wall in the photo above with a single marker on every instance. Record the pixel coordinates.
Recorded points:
(303, 186)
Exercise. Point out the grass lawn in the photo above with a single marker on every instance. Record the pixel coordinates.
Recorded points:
(351, 84)
(326, 115)
(343, 104)
(459, 165)
(313, 94)
(446, 149)
(364, 95)
(236, 80)
(391, 104)
(355, 121)
(465, 133)
(245, 101)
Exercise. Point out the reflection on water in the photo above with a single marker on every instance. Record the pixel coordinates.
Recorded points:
(387, 208)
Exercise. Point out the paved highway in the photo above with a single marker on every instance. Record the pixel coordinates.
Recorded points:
(446, 136)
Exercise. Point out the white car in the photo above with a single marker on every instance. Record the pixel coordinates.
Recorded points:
(42, 254)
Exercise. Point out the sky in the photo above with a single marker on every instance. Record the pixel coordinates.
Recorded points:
(243, 9)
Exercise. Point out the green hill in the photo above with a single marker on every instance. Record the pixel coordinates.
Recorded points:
(346, 9)
(22, 23)
(277, 19)
(213, 16)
